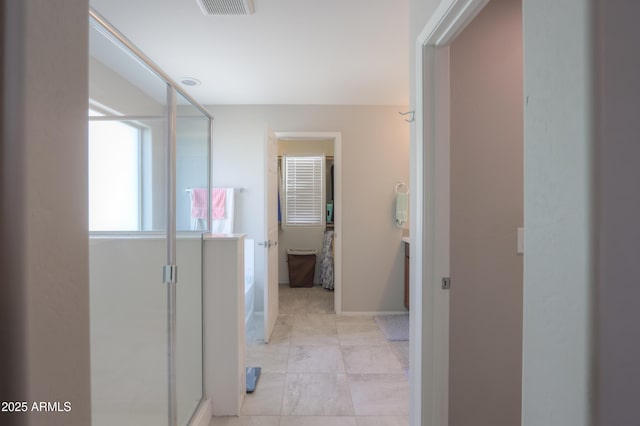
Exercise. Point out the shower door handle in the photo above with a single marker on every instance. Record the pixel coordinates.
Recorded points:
(170, 274)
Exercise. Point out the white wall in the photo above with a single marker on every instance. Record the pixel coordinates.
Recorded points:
(191, 164)
(421, 11)
(44, 298)
(582, 173)
(375, 155)
(557, 382)
(113, 91)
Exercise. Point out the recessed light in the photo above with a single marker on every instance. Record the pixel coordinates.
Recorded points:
(188, 81)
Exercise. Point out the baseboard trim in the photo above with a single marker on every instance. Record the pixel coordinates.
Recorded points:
(373, 313)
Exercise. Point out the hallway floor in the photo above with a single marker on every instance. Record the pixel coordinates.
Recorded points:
(324, 370)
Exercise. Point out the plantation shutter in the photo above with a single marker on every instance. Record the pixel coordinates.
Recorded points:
(304, 190)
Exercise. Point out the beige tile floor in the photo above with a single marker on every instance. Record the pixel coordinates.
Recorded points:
(320, 369)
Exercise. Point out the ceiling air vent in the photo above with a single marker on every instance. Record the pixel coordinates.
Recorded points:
(226, 7)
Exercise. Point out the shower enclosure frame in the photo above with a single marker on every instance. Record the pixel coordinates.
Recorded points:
(170, 269)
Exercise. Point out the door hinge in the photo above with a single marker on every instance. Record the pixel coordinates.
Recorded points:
(446, 283)
(170, 274)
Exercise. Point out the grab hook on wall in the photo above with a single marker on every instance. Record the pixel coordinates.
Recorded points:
(402, 188)
(411, 118)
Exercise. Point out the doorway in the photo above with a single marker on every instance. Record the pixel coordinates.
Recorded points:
(432, 176)
(271, 244)
(328, 144)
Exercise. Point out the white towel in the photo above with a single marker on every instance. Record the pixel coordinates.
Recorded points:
(402, 208)
(225, 225)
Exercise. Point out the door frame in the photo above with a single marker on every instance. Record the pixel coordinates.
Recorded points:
(430, 164)
(270, 318)
(337, 208)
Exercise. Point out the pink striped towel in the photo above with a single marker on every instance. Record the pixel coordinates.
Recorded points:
(199, 203)
(218, 200)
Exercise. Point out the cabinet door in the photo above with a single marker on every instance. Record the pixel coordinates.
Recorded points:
(406, 275)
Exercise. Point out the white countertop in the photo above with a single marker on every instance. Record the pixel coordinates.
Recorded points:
(223, 236)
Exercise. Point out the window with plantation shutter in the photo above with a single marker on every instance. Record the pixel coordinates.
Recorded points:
(304, 190)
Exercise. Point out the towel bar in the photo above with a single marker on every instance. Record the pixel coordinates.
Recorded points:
(235, 189)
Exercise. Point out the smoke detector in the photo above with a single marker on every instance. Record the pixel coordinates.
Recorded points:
(226, 7)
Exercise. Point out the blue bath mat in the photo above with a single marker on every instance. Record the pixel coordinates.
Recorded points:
(394, 327)
(253, 374)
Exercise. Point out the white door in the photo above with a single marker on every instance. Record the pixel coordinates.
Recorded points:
(271, 241)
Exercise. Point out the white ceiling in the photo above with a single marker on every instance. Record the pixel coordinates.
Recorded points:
(343, 52)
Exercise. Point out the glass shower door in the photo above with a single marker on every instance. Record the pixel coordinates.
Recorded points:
(192, 172)
(128, 236)
(146, 328)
